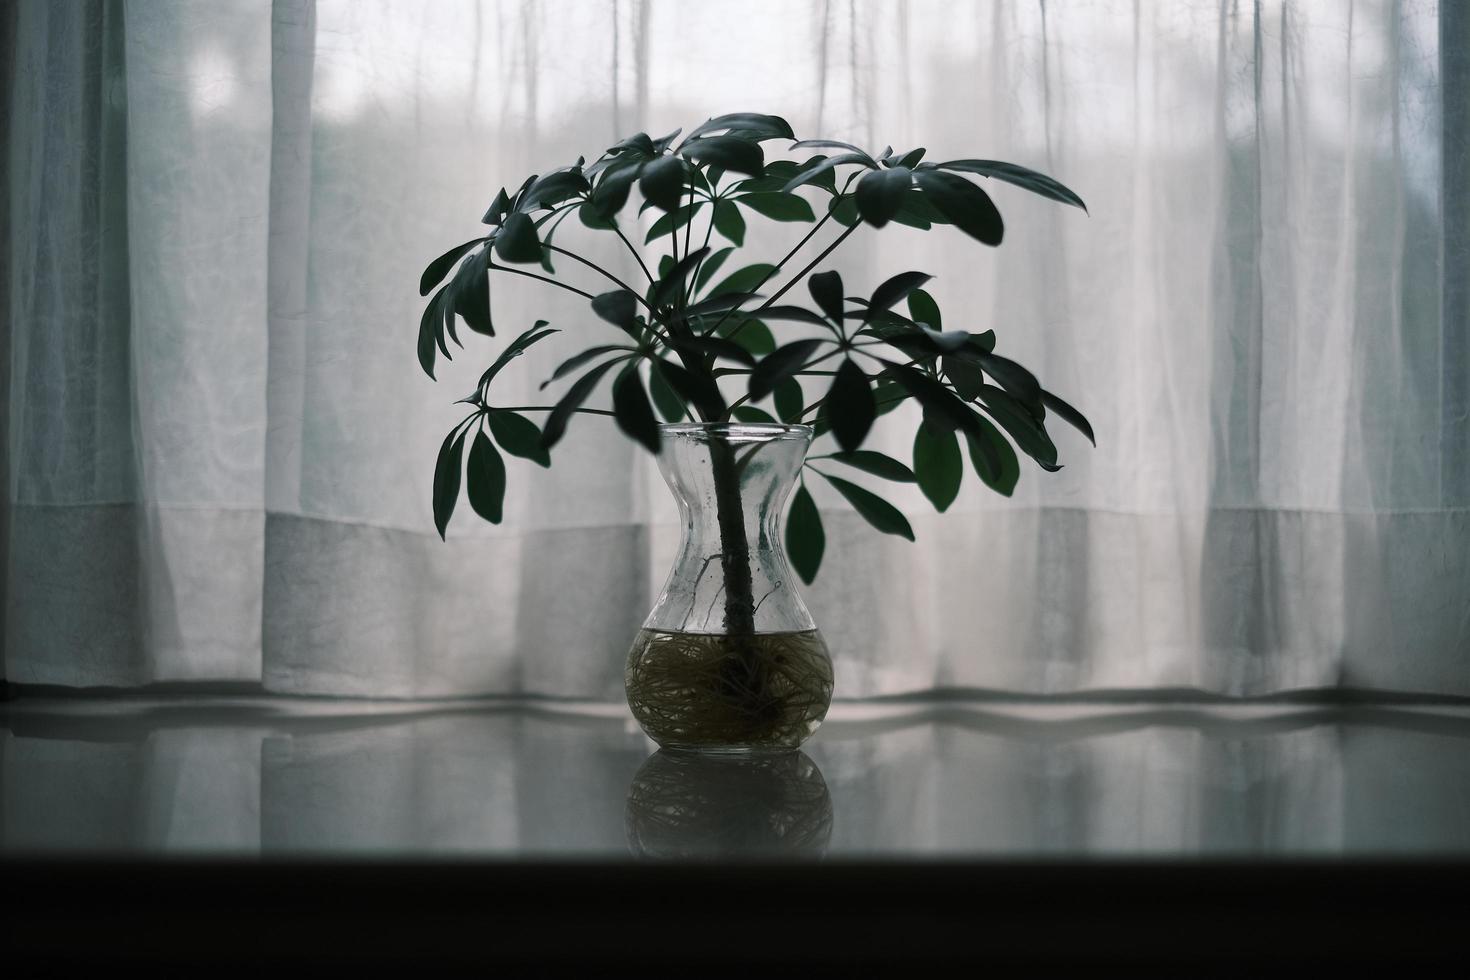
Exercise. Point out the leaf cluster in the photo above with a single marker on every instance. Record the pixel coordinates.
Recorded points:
(701, 340)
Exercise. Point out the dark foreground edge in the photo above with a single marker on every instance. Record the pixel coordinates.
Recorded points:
(827, 917)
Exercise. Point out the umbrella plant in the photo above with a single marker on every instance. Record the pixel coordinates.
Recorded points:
(697, 332)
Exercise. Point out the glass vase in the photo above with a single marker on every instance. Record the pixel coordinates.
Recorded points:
(729, 660)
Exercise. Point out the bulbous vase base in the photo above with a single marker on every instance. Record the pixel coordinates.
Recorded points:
(757, 693)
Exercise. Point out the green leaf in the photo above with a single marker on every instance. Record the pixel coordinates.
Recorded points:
(1029, 434)
(779, 365)
(577, 360)
(849, 406)
(668, 401)
(888, 395)
(639, 143)
(917, 344)
(710, 267)
(711, 346)
(826, 289)
(430, 325)
(947, 341)
(728, 222)
(611, 192)
(805, 539)
(911, 158)
(836, 145)
(515, 349)
(744, 280)
(662, 181)
(880, 193)
(938, 465)
(631, 407)
(517, 240)
(1016, 380)
(796, 313)
(591, 217)
(993, 458)
(672, 221)
(753, 335)
(789, 400)
(553, 188)
(773, 178)
(718, 303)
(754, 125)
(983, 343)
(749, 413)
(727, 152)
(965, 376)
(471, 289)
(556, 422)
(436, 270)
(821, 171)
(940, 404)
(446, 478)
(873, 508)
(698, 389)
(895, 289)
(486, 481)
(968, 207)
(844, 209)
(779, 206)
(1032, 181)
(518, 436)
(671, 283)
(876, 463)
(618, 307)
(909, 214)
(1070, 415)
(923, 309)
(825, 177)
(520, 194)
(497, 209)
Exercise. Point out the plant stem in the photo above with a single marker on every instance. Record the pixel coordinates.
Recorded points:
(686, 290)
(777, 268)
(593, 265)
(532, 275)
(808, 268)
(548, 408)
(877, 403)
(619, 232)
(734, 545)
(831, 210)
(825, 357)
(699, 266)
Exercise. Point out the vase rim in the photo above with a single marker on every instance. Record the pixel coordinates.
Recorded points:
(739, 431)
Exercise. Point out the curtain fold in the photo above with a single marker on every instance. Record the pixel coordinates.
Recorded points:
(220, 445)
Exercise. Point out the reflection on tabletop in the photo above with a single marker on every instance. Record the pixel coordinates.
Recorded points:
(683, 805)
(929, 781)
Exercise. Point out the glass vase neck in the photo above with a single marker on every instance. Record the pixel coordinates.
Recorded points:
(731, 481)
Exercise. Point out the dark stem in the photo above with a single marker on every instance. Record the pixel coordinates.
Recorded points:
(532, 275)
(831, 210)
(594, 266)
(807, 268)
(775, 269)
(725, 470)
(552, 408)
(636, 256)
(734, 545)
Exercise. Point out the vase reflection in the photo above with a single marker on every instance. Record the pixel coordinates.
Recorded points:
(682, 805)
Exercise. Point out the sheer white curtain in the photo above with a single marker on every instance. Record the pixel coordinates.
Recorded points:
(220, 445)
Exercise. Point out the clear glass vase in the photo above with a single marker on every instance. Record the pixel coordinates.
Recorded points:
(729, 661)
